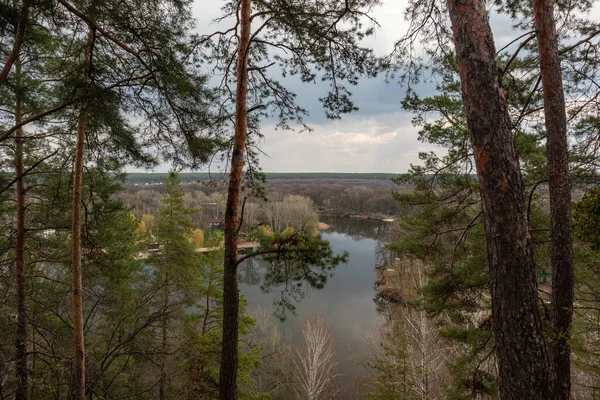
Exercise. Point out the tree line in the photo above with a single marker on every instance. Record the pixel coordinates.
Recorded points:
(353, 197)
(194, 177)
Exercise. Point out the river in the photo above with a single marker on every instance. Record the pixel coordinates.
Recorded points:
(346, 301)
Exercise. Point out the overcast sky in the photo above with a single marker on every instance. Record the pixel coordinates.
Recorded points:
(377, 138)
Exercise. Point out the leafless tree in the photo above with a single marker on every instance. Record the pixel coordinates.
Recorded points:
(297, 212)
(315, 363)
(428, 353)
(408, 354)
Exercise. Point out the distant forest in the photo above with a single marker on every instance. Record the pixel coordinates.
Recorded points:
(143, 178)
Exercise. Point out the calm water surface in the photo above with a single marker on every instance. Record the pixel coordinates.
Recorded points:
(346, 301)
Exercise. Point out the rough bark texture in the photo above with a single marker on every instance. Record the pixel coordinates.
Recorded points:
(20, 271)
(78, 391)
(19, 36)
(228, 373)
(563, 276)
(520, 347)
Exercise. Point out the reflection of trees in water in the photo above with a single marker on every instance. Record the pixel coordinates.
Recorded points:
(289, 278)
(248, 273)
(356, 228)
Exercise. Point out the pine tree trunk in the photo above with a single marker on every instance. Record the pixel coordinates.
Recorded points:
(20, 267)
(78, 392)
(563, 277)
(229, 346)
(13, 56)
(524, 369)
(164, 329)
(200, 361)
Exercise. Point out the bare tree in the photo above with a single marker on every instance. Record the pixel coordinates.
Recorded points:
(297, 212)
(20, 266)
(408, 354)
(315, 363)
(428, 353)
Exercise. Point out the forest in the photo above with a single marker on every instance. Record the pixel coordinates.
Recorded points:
(192, 177)
(117, 284)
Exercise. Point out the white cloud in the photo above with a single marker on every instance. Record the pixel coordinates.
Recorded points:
(355, 144)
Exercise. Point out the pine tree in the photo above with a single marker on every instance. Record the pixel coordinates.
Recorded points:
(563, 275)
(519, 84)
(323, 40)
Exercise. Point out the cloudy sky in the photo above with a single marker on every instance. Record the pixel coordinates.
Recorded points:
(377, 138)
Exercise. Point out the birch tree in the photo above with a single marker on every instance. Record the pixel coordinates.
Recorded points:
(316, 363)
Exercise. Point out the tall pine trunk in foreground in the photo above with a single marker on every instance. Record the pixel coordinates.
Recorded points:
(228, 371)
(563, 277)
(520, 346)
(20, 267)
(78, 390)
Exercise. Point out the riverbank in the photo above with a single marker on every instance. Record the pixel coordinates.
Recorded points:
(383, 218)
(396, 279)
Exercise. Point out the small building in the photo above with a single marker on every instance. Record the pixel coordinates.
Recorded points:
(154, 247)
(215, 223)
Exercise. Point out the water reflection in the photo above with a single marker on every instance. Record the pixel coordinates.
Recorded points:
(357, 228)
(346, 301)
(285, 281)
(287, 284)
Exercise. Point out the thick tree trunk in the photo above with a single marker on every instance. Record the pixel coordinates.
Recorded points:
(78, 392)
(229, 347)
(20, 268)
(520, 346)
(563, 276)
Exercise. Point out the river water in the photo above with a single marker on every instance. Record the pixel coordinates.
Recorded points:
(346, 301)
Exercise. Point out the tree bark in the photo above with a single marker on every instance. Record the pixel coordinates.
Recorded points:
(164, 330)
(78, 392)
(20, 266)
(229, 347)
(15, 52)
(523, 362)
(563, 276)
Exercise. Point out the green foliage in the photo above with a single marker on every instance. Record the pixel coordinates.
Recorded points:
(446, 230)
(292, 261)
(192, 303)
(393, 379)
(196, 238)
(586, 218)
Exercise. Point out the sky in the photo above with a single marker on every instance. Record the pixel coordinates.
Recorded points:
(379, 137)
